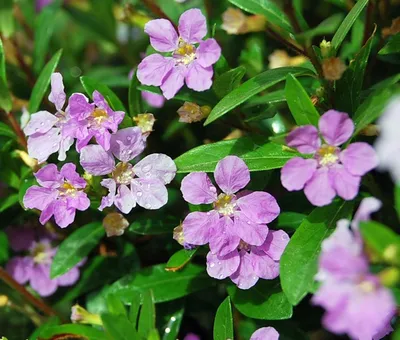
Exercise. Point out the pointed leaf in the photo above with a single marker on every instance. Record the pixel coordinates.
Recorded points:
(180, 259)
(118, 327)
(147, 317)
(135, 97)
(223, 324)
(228, 81)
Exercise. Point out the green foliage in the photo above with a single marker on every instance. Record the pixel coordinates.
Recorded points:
(223, 324)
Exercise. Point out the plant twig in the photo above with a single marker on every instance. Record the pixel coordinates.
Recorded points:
(17, 129)
(287, 43)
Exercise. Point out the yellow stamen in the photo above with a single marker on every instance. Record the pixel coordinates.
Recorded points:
(99, 115)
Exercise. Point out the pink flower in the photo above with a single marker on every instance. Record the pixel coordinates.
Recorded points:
(60, 194)
(144, 183)
(153, 99)
(355, 301)
(331, 171)
(40, 4)
(46, 132)
(34, 265)
(236, 228)
(265, 333)
(92, 120)
(189, 62)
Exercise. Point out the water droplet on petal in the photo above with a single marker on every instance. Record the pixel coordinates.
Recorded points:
(285, 237)
(248, 222)
(208, 214)
(213, 189)
(148, 174)
(139, 193)
(128, 138)
(146, 168)
(41, 123)
(147, 206)
(212, 264)
(220, 276)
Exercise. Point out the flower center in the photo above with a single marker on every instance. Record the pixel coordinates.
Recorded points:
(185, 53)
(123, 173)
(244, 246)
(225, 204)
(67, 189)
(99, 116)
(40, 253)
(328, 155)
(366, 286)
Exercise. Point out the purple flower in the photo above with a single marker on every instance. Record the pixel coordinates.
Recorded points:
(40, 4)
(355, 301)
(189, 62)
(46, 132)
(191, 336)
(92, 120)
(236, 228)
(265, 333)
(153, 99)
(143, 183)
(388, 143)
(34, 265)
(60, 194)
(331, 171)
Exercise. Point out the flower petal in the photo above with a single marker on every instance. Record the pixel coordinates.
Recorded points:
(259, 207)
(224, 240)
(319, 189)
(127, 144)
(40, 280)
(359, 158)
(192, 26)
(41, 146)
(57, 95)
(39, 198)
(275, 244)
(345, 184)
(220, 267)
(199, 78)
(69, 278)
(40, 122)
(48, 176)
(150, 193)
(245, 277)
(208, 52)
(231, 174)
(265, 333)
(153, 69)
(264, 267)
(124, 200)
(305, 139)
(173, 82)
(47, 213)
(197, 189)
(65, 145)
(79, 106)
(20, 268)
(248, 231)
(68, 172)
(196, 227)
(20, 238)
(96, 161)
(367, 207)
(163, 36)
(108, 201)
(297, 172)
(153, 99)
(336, 127)
(157, 166)
(63, 215)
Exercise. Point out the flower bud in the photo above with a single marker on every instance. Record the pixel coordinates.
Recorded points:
(115, 224)
(29, 161)
(191, 112)
(326, 48)
(280, 58)
(178, 235)
(145, 121)
(234, 21)
(389, 277)
(333, 68)
(81, 315)
(3, 300)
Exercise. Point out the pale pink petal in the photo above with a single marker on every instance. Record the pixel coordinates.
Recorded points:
(173, 81)
(345, 184)
(96, 161)
(220, 267)
(150, 193)
(232, 174)
(305, 139)
(20, 268)
(163, 36)
(63, 215)
(224, 239)
(65, 145)
(40, 122)
(47, 213)
(80, 201)
(197, 189)
(153, 99)
(264, 267)
(153, 69)
(245, 277)
(199, 78)
(248, 231)
(40, 280)
(41, 146)
(156, 166)
(297, 172)
(57, 95)
(196, 227)
(336, 127)
(359, 158)
(367, 207)
(79, 106)
(192, 26)
(319, 189)
(48, 176)
(39, 198)
(20, 238)
(275, 244)
(208, 52)
(127, 143)
(265, 333)
(69, 173)
(124, 200)
(259, 207)
(108, 201)
(69, 278)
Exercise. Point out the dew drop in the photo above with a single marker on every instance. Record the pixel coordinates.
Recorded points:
(220, 276)
(128, 138)
(173, 318)
(139, 193)
(148, 174)
(148, 206)
(36, 129)
(146, 168)
(248, 222)
(41, 123)
(285, 237)
(213, 189)
(212, 264)
(208, 214)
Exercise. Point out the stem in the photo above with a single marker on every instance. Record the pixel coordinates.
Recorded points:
(17, 129)
(287, 43)
(157, 11)
(38, 303)
(28, 72)
(369, 21)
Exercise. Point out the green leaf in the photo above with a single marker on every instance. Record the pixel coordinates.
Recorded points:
(275, 97)
(348, 88)
(257, 157)
(264, 301)
(118, 327)
(291, 220)
(223, 324)
(252, 87)
(134, 309)
(328, 26)
(85, 331)
(154, 224)
(7, 25)
(397, 198)
(347, 23)
(3, 74)
(180, 259)
(166, 286)
(147, 317)
(392, 46)
(51, 322)
(44, 26)
(173, 325)
(6, 131)
(5, 97)
(4, 251)
(43, 82)
(115, 306)
(303, 110)
(269, 9)
(75, 247)
(135, 97)
(8, 201)
(228, 81)
(373, 107)
(298, 264)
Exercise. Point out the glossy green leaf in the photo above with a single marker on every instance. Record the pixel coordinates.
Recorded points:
(135, 97)
(264, 301)
(180, 259)
(153, 224)
(4, 247)
(3, 74)
(51, 322)
(115, 306)
(298, 12)
(252, 87)
(147, 317)
(85, 331)
(328, 26)
(303, 110)
(8, 201)
(5, 97)
(257, 157)
(275, 97)
(5, 130)
(291, 220)
(347, 23)
(166, 286)
(268, 8)
(75, 247)
(7, 24)
(118, 327)
(42, 83)
(171, 330)
(298, 264)
(228, 81)
(134, 308)
(392, 46)
(223, 324)
(397, 198)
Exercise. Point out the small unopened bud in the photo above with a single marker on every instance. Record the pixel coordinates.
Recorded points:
(178, 235)
(235, 134)
(319, 92)
(393, 29)
(392, 254)
(88, 178)
(145, 121)
(314, 100)
(326, 48)
(234, 21)
(81, 315)
(333, 68)
(370, 130)
(29, 161)
(191, 112)
(389, 277)
(115, 224)
(3, 300)
(280, 58)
